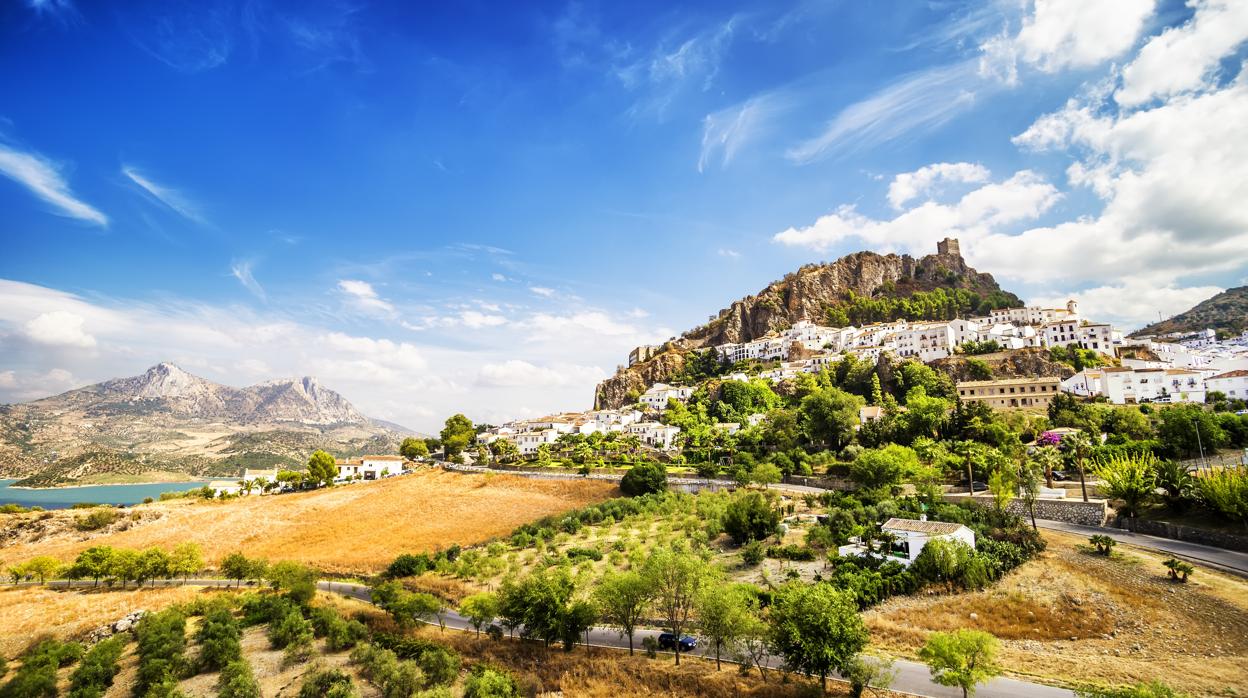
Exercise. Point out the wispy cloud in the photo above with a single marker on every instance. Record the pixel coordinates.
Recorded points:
(727, 131)
(241, 270)
(915, 104)
(171, 198)
(672, 67)
(364, 297)
(542, 291)
(62, 11)
(44, 179)
(731, 254)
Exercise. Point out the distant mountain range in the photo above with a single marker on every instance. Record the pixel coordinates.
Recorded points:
(860, 282)
(168, 423)
(1227, 311)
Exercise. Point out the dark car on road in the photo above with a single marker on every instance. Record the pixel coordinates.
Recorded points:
(979, 486)
(667, 641)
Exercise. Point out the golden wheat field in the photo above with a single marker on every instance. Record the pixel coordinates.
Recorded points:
(348, 529)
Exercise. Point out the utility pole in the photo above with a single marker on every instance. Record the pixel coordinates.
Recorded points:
(1203, 463)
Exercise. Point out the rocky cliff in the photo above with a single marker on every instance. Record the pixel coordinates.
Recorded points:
(1034, 362)
(806, 294)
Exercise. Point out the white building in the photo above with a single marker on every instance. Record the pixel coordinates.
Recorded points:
(659, 393)
(1233, 384)
(1125, 385)
(369, 467)
(910, 536)
(654, 434)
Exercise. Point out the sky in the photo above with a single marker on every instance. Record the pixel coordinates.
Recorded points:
(481, 207)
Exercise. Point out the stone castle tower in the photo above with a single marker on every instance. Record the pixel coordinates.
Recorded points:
(948, 246)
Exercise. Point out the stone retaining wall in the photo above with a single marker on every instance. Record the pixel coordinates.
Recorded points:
(1076, 511)
(1203, 536)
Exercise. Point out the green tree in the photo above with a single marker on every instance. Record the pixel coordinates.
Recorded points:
(1226, 492)
(94, 562)
(646, 477)
(98, 668)
(829, 416)
(479, 609)
(750, 516)
(236, 566)
(1029, 487)
(1003, 484)
(220, 639)
(1078, 447)
(457, 434)
(887, 467)
(413, 448)
(153, 564)
(490, 682)
(123, 565)
(538, 602)
(187, 559)
(816, 628)
(723, 615)
(321, 468)
(677, 578)
(961, 659)
(1048, 458)
(505, 450)
(1187, 430)
(42, 567)
(237, 681)
(1129, 478)
(622, 598)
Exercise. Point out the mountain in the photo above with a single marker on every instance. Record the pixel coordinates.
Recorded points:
(168, 423)
(1227, 311)
(855, 289)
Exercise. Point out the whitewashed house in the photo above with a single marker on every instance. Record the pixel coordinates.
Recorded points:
(910, 536)
(369, 467)
(654, 434)
(659, 393)
(1233, 384)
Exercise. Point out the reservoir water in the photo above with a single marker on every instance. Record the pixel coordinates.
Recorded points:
(65, 497)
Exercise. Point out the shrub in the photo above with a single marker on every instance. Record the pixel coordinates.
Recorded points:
(291, 628)
(1153, 689)
(1103, 544)
(490, 682)
(1226, 492)
(162, 651)
(796, 553)
(237, 681)
(219, 638)
(37, 675)
(328, 683)
(97, 519)
(439, 664)
(646, 477)
(583, 554)
(1179, 570)
(941, 560)
(265, 608)
(750, 517)
(339, 633)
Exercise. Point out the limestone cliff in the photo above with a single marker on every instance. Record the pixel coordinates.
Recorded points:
(1033, 362)
(806, 294)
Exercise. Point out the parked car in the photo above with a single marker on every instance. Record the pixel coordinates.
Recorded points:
(1061, 475)
(979, 486)
(667, 641)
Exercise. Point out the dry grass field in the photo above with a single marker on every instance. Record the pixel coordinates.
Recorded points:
(28, 612)
(357, 528)
(1073, 616)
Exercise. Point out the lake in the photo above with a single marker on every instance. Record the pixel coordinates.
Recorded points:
(65, 497)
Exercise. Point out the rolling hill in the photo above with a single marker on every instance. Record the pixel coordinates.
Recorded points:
(1227, 311)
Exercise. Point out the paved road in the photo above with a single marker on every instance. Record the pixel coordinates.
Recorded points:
(912, 677)
(1231, 561)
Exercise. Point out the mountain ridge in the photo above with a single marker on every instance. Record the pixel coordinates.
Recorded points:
(1226, 311)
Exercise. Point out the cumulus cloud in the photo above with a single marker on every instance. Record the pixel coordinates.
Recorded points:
(45, 180)
(1061, 34)
(59, 328)
(1187, 57)
(1131, 304)
(1024, 196)
(909, 185)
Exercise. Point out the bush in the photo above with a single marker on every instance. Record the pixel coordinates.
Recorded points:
(328, 683)
(750, 517)
(339, 633)
(490, 682)
(37, 675)
(753, 553)
(796, 553)
(237, 681)
(162, 651)
(291, 629)
(941, 560)
(583, 554)
(1153, 689)
(1226, 492)
(396, 679)
(407, 565)
(97, 519)
(646, 477)
(439, 664)
(219, 638)
(265, 608)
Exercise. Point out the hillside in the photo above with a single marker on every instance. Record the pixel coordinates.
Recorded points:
(169, 420)
(1227, 311)
(859, 288)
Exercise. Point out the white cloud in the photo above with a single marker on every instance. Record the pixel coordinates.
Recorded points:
(241, 270)
(909, 185)
(725, 252)
(31, 386)
(171, 198)
(498, 277)
(542, 291)
(1187, 57)
(476, 320)
(727, 131)
(45, 180)
(59, 328)
(917, 103)
(364, 298)
(1024, 196)
(1131, 304)
(1061, 34)
(515, 373)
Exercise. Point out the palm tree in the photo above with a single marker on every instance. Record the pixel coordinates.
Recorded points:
(1078, 446)
(1049, 458)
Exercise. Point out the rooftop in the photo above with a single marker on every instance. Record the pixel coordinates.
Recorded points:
(915, 526)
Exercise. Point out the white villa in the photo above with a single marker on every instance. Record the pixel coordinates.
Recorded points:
(1233, 384)
(909, 537)
(369, 467)
(657, 396)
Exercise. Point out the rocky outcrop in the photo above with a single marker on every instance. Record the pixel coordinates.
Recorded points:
(807, 293)
(1034, 362)
(629, 383)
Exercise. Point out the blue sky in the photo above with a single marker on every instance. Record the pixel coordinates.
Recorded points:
(483, 206)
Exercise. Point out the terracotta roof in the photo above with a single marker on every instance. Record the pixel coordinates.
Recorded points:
(914, 526)
(1238, 373)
